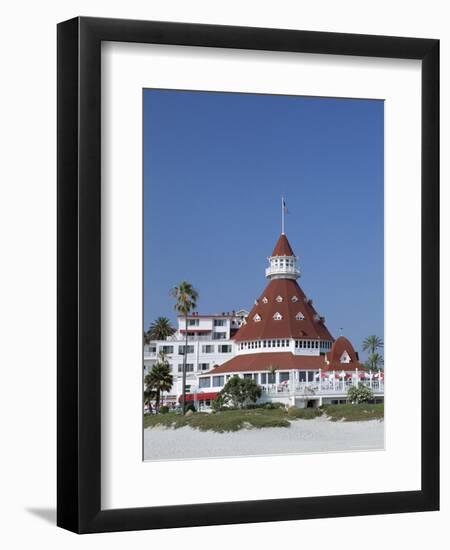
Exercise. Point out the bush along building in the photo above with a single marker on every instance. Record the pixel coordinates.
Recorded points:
(283, 344)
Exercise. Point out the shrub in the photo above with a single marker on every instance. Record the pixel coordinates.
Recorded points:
(307, 413)
(164, 409)
(239, 391)
(360, 393)
(189, 406)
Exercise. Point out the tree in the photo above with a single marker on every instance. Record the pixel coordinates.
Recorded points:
(239, 391)
(375, 361)
(359, 394)
(149, 396)
(159, 329)
(186, 301)
(158, 380)
(372, 344)
(272, 374)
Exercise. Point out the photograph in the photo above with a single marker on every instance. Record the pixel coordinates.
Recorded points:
(263, 274)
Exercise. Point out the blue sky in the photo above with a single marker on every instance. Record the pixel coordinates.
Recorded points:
(215, 167)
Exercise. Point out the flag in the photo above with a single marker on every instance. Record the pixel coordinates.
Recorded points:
(285, 208)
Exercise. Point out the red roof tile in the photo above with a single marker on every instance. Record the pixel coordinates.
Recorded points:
(264, 361)
(283, 248)
(288, 326)
(340, 346)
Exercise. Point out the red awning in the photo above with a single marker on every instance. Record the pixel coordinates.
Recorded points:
(199, 396)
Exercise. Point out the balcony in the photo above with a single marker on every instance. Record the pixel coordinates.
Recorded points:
(305, 389)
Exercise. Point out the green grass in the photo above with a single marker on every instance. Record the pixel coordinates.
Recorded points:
(305, 414)
(234, 420)
(223, 421)
(351, 413)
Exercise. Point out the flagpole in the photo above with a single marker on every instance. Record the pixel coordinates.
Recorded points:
(282, 215)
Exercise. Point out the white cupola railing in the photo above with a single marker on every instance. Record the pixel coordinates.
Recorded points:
(282, 267)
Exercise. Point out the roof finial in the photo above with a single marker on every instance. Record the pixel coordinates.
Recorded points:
(283, 211)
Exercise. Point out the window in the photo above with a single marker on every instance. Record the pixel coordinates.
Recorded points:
(264, 343)
(263, 378)
(225, 348)
(302, 376)
(284, 376)
(277, 316)
(152, 349)
(166, 349)
(203, 366)
(204, 382)
(207, 348)
(294, 299)
(193, 322)
(271, 377)
(219, 322)
(300, 316)
(218, 381)
(190, 349)
(189, 367)
(219, 336)
(279, 299)
(310, 376)
(257, 318)
(265, 300)
(248, 376)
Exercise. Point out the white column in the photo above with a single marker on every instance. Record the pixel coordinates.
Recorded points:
(357, 376)
(320, 380)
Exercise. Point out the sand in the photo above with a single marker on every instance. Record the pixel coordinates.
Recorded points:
(303, 436)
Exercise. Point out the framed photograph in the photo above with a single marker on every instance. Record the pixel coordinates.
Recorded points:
(248, 288)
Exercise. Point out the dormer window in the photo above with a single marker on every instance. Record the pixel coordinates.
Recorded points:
(257, 318)
(300, 316)
(265, 300)
(277, 316)
(279, 299)
(345, 358)
(294, 299)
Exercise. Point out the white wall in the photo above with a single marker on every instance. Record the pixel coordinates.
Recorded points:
(28, 272)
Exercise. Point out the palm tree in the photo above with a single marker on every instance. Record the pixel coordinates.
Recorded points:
(186, 301)
(372, 344)
(273, 373)
(375, 361)
(158, 380)
(160, 329)
(149, 396)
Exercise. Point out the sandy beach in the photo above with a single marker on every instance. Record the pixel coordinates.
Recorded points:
(303, 436)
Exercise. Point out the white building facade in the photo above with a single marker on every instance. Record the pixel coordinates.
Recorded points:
(210, 343)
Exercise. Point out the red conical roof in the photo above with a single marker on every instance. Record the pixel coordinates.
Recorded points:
(339, 347)
(283, 248)
(298, 319)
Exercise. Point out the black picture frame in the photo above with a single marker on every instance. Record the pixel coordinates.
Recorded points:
(79, 276)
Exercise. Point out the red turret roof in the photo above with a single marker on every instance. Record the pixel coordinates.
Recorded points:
(283, 248)
(339, 347)
(285, 297)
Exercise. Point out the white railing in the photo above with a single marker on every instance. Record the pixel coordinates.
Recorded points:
(316, 388)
